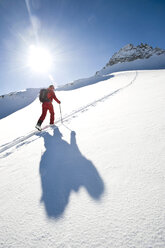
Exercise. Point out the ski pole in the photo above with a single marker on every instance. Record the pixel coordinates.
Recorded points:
(60, 112)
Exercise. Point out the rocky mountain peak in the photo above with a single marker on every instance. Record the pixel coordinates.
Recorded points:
(130, 53)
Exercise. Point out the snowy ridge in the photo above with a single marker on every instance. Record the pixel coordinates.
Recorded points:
(155, 62)
(85, 82)
(15, 101)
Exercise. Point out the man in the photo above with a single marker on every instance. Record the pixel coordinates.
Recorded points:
(47, 105)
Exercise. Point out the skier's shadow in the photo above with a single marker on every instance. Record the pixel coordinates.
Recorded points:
(64, 169)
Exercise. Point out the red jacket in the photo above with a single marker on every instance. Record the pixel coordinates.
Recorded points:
(51, 95)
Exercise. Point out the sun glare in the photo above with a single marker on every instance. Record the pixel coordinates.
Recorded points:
(39, 59)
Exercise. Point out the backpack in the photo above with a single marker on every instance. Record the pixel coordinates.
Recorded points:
(43, 95)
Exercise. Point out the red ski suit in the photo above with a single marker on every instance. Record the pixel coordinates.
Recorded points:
(49, 106)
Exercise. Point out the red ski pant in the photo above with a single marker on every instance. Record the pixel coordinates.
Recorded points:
(45, 107)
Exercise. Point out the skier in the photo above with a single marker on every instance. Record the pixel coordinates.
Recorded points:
(47, 105)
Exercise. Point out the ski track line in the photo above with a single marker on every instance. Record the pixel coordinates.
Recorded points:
(20, 139)
(82, 109)
(23, 139)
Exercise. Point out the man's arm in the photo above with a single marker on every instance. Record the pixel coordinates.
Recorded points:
(55, 98)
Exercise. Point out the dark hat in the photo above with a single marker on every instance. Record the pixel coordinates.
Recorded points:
(51, 86)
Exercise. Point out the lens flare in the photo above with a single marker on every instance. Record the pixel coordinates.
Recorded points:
(39, 59)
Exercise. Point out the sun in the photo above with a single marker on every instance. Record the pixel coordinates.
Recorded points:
(39, 59)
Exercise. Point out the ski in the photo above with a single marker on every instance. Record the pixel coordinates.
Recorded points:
(38, 128)
(46, 127)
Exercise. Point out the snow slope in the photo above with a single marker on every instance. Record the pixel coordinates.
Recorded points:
(16, 100)
(98, 179)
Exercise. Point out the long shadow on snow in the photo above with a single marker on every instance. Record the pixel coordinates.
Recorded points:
(62, 169)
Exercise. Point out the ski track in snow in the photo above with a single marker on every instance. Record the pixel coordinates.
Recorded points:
(24, 140)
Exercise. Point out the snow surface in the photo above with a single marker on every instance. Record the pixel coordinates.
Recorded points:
(98, 179)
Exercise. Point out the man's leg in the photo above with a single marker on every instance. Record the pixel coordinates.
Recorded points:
(51, 110)
(43, 115)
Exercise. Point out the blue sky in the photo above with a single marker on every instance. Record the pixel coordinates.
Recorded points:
(81, 35)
